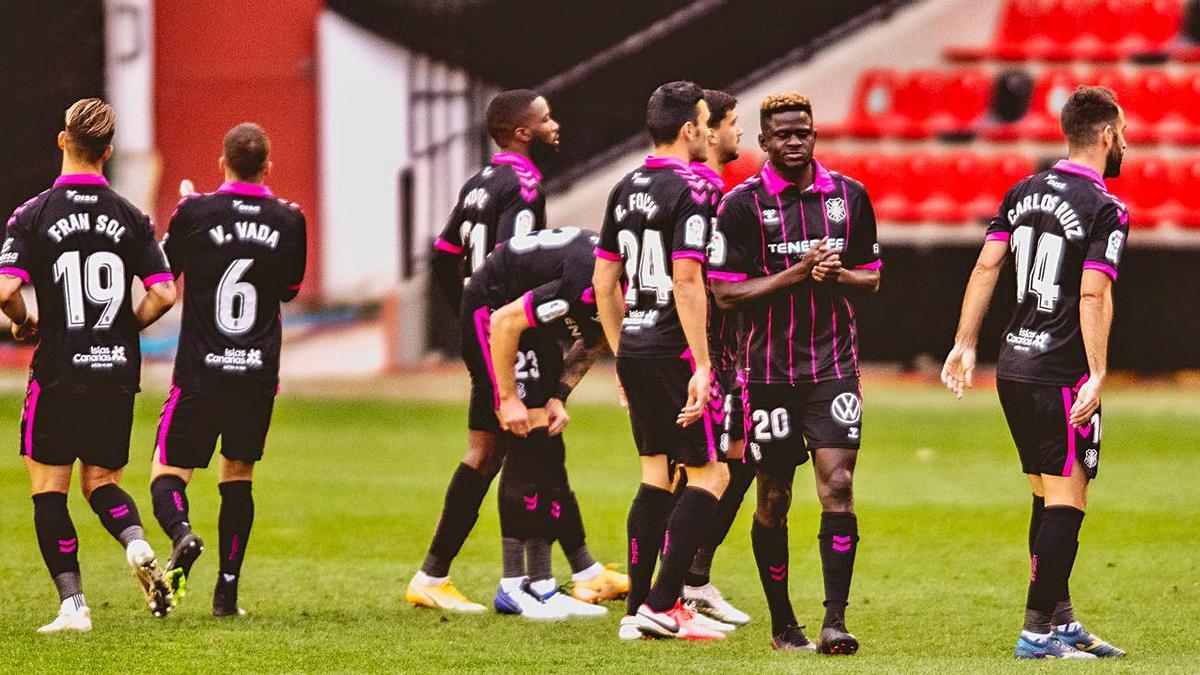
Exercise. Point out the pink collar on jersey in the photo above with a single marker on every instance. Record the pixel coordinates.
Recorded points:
(822, 179)
(656, 162)
(705, 171)
(1066, 166)
(81, 179)
(518, 161)
(247, 189)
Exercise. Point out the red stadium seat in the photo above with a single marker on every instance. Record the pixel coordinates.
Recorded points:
(1148, 99)
(1145, 186)
(965, 99)
(883, 180)
(1004, 171)
(1019, 21)
(919, 96)
(1041, 121)
(1185, 127)
(960, 183)
(748, 163)
(922, 175)
(1152, 24)
(873, 108)
(1185, 183)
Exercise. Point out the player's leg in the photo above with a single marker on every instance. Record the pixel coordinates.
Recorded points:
(185, 440)
(431, 586)
(833, 425)
(244, 424)
(103, 436)
(550, 457)
(234, 521)
(59, 544)
(698, 592)
(838, 542)
(591, 580)
(524, 530)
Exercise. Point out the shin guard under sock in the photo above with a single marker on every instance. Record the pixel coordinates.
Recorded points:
(645, 526)
(233, 523)
(118, 513)
(168, 495)
(771, 555)
(1050, 565)
(691, 515)
(460, 510)
(838, 545)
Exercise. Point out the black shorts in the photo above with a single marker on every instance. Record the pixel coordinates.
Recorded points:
(733, 423)
(58, 427)
(538, 367)
(656, 389)
(1039, 419)
(784, 421)
(192, 420)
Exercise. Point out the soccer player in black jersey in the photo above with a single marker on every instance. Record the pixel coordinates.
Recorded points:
(800, 247)
(242, 252)
(1066, 234)
(532, 294)
(699, 594)
(655, 235)
(80, 244)
(504, 199)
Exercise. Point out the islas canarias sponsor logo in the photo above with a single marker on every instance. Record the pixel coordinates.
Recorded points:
(101, 358)
(235, 360)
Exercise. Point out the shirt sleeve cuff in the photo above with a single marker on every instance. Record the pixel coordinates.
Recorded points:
(446, 247)
(607, 255)
(688, 255)
(157, 279)
(1089, 265)
(998, 236)
(15, 272)
(731, 277)
(529, 310)
(873, 265)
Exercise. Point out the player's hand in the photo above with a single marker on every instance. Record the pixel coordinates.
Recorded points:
(556, 410)
(828, 269)
(699, 387)
(621, 398)
(813, 257)
(1087, 402)
(959, 370)
(27, 331)
(514, 416)
(186, 188)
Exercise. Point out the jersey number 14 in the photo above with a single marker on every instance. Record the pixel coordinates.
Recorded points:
(1040, 278)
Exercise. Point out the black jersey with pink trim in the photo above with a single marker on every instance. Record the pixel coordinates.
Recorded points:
(80, 245)
(501, 201)
(656, 214)
(551, 272)
(806, 333)
(1057, 224)
(241, 252)
(723, 333)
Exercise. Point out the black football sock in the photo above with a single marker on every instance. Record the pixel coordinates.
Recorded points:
(569, 530)
(646, 525)
(460, 510)
(118, 513)
(1050, 565)
(168, 495)
(512, 558)
(741, 475)
(537, 560)
(58, 542)
(1035, 519)
(233, 524)
(839, 543)
(691, 516)
(771, 555)
(1064, 612)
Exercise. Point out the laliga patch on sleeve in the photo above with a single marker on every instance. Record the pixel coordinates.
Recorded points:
(551, 310)
(523, 223)
(875, 249)
(694, 232)
(1116, 241)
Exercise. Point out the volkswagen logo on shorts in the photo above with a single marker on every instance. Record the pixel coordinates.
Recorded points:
(846, 408)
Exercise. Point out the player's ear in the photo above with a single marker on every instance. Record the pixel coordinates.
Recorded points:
(221, 166)
(62, 141)
(267, 169)
(762, 141)
(108, 151)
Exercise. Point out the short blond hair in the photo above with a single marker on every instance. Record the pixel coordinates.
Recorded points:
(783, 102)
(90, 124)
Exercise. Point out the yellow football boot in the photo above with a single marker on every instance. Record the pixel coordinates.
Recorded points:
(608, 584)
(440, 596)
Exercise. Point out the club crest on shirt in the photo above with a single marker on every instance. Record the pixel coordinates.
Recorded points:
(1091, 458)
(835, 209)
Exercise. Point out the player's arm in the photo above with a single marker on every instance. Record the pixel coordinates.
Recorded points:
(959, 368)
(610, 302)
(448, 259)
(14, 271)
(689, 248)
(579, 359)
(12, 303)
(150, 264)
(1095, 323)
(507, 325)
(159, 299)
(730, 294)
(296, 264)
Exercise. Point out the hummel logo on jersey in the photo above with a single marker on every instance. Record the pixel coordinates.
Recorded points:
(1055, 182)
(551, 310)
(639, 179)
(242, 207)
(77, 198)
(770, 217)
(846, 408)
(8, 257)
(835, 209)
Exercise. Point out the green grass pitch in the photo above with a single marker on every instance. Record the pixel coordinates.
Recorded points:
(350, 491)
